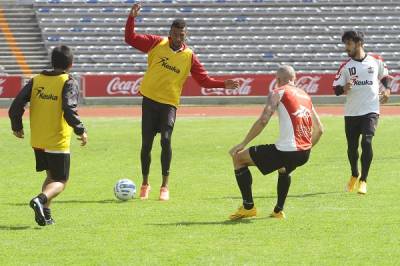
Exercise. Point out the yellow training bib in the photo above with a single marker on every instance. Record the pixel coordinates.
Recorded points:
(49, 130)
(167, 72)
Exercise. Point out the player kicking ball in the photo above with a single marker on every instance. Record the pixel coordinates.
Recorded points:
(300, 129)
(170, 61)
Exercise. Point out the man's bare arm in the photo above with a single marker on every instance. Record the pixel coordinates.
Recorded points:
(318, 128)
(385, 94)
(260, 124)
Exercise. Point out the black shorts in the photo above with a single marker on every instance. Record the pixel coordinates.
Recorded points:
(363, 124)
(157, 117)
(268, 158)
(56, 163)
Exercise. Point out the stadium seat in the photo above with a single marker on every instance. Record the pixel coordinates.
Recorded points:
(225, 34)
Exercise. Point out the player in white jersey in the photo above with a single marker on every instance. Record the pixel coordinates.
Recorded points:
(359, 78)
(300, 129)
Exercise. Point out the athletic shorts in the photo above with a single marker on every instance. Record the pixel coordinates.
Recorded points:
(363, 124)
(268, 158)
(157, 116)
(56, 163)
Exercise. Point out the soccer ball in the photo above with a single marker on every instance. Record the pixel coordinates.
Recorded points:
(124, 189)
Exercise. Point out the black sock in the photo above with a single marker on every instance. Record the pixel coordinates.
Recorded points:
(284, 181)
(47, 213)
(244, 180)
(42, 197)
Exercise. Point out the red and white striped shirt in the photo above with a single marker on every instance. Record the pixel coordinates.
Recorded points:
(295, 120)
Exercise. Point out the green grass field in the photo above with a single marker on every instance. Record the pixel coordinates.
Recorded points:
(325, 225)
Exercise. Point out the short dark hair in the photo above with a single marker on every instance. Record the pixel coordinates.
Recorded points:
(355, 36)
(61, 57)
(178, 23)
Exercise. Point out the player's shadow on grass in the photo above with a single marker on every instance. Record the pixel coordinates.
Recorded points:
(106, 201)
(225, 222)
(14, 227)
(289, 196)
(187, 223)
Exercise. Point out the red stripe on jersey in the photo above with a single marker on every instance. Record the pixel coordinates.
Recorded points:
(376, 56)
(299, 105)
(342, 65)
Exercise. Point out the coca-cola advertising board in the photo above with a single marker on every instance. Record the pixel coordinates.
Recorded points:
(10, 86)
(250, 85)
(111, 85)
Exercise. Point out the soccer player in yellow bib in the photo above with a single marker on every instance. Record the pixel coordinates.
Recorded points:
(53, 97)
(170, 61)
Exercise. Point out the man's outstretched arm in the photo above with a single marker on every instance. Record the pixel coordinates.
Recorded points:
(142, 42)
(201, 76)
(261, 122)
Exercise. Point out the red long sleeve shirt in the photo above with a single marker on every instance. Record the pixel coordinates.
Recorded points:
(145, 42)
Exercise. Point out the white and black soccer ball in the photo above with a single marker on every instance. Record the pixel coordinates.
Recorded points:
(124, 189)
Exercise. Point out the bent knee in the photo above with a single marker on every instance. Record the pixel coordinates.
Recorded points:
(236, 158)
(242, 158)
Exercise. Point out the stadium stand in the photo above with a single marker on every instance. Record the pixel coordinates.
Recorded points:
(22, 49)
(238, 36)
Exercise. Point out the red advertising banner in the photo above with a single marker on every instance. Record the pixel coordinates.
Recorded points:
(10, 86)
(111, 85)
(250, 85)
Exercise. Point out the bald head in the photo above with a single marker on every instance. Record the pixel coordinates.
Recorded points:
(285, 75)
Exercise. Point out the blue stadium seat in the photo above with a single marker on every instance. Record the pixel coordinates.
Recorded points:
(185, 9)
(76, 29)
(53, 38)
(108, 9)
(44, 10)
(254, 33)
(241, 19)
(86, 20)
